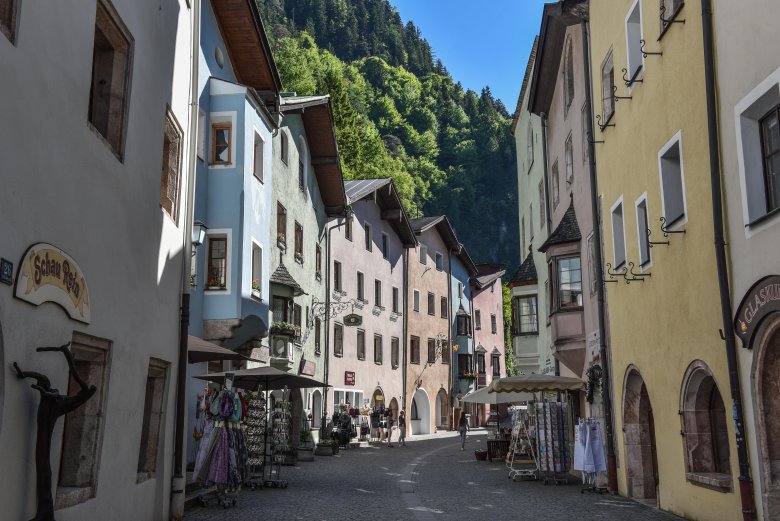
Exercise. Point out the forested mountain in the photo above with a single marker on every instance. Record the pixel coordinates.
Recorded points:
(399, 113)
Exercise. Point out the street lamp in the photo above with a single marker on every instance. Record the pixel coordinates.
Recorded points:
(198, 235)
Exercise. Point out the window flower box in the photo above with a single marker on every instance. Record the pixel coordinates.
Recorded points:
(469, 376)
(318, 274)
(256, 290)
(285, 329)
(281, 241)
(299, 257)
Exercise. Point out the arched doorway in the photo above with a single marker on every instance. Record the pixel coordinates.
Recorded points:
(378, 399)
(639, 439)
(394, 409)
(442, 410)
(296, 409)
(316, 409)
(420, 414)
(767, 391)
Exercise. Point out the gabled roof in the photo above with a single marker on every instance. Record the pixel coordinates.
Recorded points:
(567, 231)
(487, 273)
(526, 273)
(526, 77)
(282, 276)
(468, 262)
(247, 45)
(443, 226)
(556, 17)
(317, 116)
(389, 201)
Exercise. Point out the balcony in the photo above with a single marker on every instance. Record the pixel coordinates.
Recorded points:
(568, 337)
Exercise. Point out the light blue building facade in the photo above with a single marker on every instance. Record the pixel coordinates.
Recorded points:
(462, 269)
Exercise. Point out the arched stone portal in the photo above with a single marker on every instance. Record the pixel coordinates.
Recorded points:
(442, 410)
(378, 399)
(316, 409)
(639, 438)
(766, 379)
(420, 418)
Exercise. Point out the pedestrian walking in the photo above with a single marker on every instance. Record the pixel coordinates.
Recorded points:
(463, 427)
(402, 429)
(389, 423)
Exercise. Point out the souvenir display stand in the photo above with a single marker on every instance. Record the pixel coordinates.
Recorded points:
(279, 440)
(552, 435)
(256, 429)
(521, 448)
(589, 454)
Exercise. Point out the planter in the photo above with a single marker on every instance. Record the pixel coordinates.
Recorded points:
(257, 294)
(325, 449)
(305, 454)
(481, 455)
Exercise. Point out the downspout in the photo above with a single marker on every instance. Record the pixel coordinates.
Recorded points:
(178, 481)
(745, 481)
(545, 175)
(594, 205)
(405, 323)
(451, 413)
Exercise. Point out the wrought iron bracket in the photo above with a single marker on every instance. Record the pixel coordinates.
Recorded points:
(591, 141)
(672, 20)
(630, 276)
(653, 243)
(648, 53)
(327, 309)
(440, 338)
(666, 230)
(605, 125)
(628, 81)
(616, 97)
(613, 275)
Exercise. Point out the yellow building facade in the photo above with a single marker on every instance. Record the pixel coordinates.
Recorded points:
(673, 431)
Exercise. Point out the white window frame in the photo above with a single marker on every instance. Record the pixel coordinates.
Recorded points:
(219, 118)
(385, 245)
(634, 73)
(368, 236)
(618, 203)
(676, 139)
(438, 256)
(556, 184)
(256, 243)
(303, 157)
(416, 300)
(423, 255)
(227, 233)
(258, 141)
(568, 155)
(641, 234)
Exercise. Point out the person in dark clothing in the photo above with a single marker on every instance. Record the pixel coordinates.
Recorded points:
(463, 427)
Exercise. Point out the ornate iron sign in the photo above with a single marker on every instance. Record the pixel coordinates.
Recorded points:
(760, 301)
(353, 320)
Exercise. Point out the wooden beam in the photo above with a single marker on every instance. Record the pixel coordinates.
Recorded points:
(324, 160)
(391, 214)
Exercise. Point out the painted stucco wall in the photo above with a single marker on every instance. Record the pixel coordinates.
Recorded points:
(465, 343)
(663, 324)
(65, 186)
(489, 302)
(753, 249)
(354, 257)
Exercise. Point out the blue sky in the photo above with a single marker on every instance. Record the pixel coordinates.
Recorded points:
(480, 43)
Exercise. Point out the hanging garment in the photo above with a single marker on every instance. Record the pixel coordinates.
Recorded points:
(594, 450)
(580, 441)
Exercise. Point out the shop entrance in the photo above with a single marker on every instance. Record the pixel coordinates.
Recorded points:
(767, 381)
(442, 410)
(420, 417)
(378, 400)
(316, 409)
(639, 438)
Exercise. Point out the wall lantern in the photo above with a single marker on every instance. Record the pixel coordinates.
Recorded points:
(198, 234)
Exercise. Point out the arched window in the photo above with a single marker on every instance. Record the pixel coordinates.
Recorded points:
(530, 144)
(568, 75)
(705, 429)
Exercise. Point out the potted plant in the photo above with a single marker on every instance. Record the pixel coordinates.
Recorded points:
(281, 241)
(256, 290)
(318, 274)
(284, 329)
(299, 257)
(305, 450)
(327, 447)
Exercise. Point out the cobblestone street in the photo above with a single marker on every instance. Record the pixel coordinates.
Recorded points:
(427, 479)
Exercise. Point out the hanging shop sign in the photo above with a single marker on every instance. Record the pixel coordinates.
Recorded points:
(353, 320)
(349, 377)
(48, 274)
(760, 301)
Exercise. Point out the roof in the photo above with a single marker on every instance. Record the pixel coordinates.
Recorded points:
(443, 226)
(487, 273)
(282, 276)
(556, 17)
(389, 202)
(247, 45)
(567, 230)
(317, 116)
(526, 77)
(525, 273)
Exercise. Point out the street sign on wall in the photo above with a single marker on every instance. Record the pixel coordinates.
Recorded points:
(349, 377)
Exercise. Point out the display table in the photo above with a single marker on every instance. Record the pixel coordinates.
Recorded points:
(497, 449)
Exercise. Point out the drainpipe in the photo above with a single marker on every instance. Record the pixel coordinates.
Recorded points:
(594, 205)
(449, 340)
(545, 175)
(405, 325)
(745, 481)
(178, 481)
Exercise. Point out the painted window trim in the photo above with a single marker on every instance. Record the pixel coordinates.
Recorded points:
(228, 234)
(642, 234)
(680, 221)
(617, 203)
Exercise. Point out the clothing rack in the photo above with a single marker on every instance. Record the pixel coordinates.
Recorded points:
(589, 454)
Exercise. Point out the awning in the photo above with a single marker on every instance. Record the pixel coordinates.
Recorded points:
(269, 378)
(485, 396)
(533, 383)
(199, 350)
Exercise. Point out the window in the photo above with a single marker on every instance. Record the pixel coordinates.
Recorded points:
(531, 221)
(481, 363)
(298, 243)
(705, 429)
(477, 320)
(171, 166)
(367, 228)
(8, 17)
(618, 234)
(281, 223)
(607, 89)
(361, 344)
(641, 231)
(378, 293)
(592, 265)
(416, 300)
(318, 261)
(414, 350)
(460, 290)
(301, 175)
(464, 364)
(633, 43)
(337, 275)
(317, 336)
(423, 254)
(395, 300)
(297, 318)
(281, 309)
(493, 326)
(443, 311)
(221, 144)
(82, 434)
(394, 352)
(770, 153)
(542, 216)
(431, 350)
(669, 10)
(495, 362)
(672, 181)
(285, 146)
(378, 349)
(111, 65)
(348, 229)
(568, 77)
(439, 261)
(555, 189)
(431, 303)
(445, 353)
(463, 324)
(217, 264)
(361, 292)
(257, 170)
(385, 250)
(338, 339)
(257, 268)
(525, 318)
(569, 162)
(569, 279)
(154, 405)
(522, 232)
(584, 130)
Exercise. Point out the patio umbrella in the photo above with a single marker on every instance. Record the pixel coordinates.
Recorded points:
(532, 383)
(485, 396)
(199, 350)
(269, 377)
